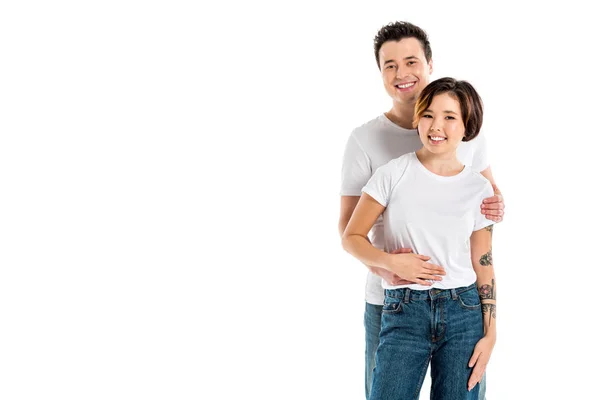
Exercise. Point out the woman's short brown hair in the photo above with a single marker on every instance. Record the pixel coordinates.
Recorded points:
(471, 105)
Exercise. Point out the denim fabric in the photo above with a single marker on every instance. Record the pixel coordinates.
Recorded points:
(418, 327)
(372, 323)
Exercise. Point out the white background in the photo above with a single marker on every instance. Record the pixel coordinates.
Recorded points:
(169, 177)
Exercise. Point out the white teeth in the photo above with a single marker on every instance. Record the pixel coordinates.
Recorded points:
(405, 85)
(437, 138)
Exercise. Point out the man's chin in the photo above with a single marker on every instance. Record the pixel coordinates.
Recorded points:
(406, 100)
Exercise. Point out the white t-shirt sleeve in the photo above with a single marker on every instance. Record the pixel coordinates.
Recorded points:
(356, 168)
(379, 186)
(480, 155)
(383, 181)
(480, 220)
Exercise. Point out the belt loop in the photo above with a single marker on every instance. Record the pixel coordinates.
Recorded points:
(453, 293)
(407, 296)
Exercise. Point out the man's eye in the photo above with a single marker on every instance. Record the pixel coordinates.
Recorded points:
(391, 66)
(411, 62)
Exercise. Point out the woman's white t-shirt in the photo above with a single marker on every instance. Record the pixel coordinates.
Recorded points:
(431, 214)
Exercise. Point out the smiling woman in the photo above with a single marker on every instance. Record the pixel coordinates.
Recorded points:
(447, 113)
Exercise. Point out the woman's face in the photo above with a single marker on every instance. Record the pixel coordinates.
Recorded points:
(441, 127)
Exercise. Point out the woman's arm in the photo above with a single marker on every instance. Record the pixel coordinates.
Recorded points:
(355, 241)
(483, 263)
(347, 206)
(481, 257)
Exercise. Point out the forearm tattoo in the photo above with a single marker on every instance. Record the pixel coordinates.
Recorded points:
(487, 294)
(489, 308)
(486, 259)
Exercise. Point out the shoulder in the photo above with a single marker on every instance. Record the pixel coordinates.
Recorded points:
(363, 132)
(397, 166)
(476, 144)
(479, 182)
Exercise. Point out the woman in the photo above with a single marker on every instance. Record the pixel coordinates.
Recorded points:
(430, 203)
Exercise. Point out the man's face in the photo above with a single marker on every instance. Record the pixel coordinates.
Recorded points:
(404, 69)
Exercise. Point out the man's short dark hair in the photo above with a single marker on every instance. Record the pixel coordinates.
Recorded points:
(397, 31)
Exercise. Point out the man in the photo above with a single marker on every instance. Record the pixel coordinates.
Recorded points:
(404, 57)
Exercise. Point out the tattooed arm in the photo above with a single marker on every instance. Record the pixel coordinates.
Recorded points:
(483, 263)
(481, 256)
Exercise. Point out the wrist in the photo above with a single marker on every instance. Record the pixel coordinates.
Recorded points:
(384, 260)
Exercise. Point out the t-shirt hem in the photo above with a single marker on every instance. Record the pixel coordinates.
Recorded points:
(351, 192)
(376, 196)
(375, 302)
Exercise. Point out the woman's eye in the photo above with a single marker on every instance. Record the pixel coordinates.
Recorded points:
(427, 116)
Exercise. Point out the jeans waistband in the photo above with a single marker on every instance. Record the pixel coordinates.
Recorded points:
(407, 294)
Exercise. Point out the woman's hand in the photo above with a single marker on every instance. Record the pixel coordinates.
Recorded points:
(479, 359)
(390, 277)
(415, 268)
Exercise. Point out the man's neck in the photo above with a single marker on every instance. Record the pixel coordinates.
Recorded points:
(402, 115)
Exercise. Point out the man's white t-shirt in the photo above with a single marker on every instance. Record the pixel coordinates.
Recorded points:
(375, 144)
(432, 214)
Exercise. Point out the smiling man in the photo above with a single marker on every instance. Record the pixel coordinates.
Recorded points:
(404, 57)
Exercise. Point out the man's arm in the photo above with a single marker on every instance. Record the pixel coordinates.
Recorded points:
(493, 207)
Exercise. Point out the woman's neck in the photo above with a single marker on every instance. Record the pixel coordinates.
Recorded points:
(444, 164)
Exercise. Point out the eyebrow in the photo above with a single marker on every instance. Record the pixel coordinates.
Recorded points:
(405, 59)
(445, 111)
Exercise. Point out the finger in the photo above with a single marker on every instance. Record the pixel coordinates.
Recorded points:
(494, 218)
(422, 282)
(433, 277)
(493, 206)
(473, 381)
(391, 282)
(429, 268)
(401, 251)
(493, 199)
(476, 375)
(424, 258)
(401, 281)
(429, 277)
(493, 213)
(474, 357)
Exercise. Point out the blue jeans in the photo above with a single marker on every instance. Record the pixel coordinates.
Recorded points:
(418, 326)
(372, 329)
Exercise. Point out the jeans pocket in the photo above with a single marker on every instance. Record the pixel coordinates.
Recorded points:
(391, 305)
(469, 300)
